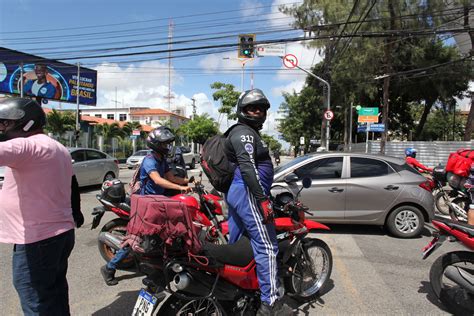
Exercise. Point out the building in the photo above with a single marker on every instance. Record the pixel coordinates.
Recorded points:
(117, 114)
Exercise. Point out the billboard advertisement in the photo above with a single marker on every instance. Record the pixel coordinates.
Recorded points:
(45, 78)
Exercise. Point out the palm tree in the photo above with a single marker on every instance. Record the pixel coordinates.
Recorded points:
(60, 122)
(129, 127)
(108, 132)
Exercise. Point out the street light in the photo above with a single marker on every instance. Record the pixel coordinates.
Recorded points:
(243, 62)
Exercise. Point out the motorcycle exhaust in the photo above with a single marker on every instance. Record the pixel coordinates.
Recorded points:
(460, 277)
(201, 284)
(111, 240)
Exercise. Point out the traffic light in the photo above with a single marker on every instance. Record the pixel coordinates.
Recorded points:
(246, 45)
(77, 133)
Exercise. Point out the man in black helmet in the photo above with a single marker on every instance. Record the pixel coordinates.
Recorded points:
(250, 210)
(36, 208)
(155, 177)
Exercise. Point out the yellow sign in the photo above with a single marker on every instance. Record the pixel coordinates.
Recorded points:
(368, 119)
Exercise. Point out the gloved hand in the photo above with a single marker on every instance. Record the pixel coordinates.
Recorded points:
(266, 208)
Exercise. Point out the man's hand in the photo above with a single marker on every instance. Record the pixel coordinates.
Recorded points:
(186, 189)
(266, 208)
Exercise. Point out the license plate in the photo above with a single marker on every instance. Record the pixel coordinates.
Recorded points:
(428, 249)
(145, 305)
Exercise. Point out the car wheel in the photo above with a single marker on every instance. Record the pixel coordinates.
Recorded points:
(193, 164)
(405, 221)
(109, 176)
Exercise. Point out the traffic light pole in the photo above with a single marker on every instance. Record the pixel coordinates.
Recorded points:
(243, 72)
(328, 101)
(78, 126)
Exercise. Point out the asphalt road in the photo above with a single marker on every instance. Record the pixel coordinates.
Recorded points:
(373, 274)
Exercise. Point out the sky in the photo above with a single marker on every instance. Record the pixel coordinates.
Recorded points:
(59, 28)
(64, 28)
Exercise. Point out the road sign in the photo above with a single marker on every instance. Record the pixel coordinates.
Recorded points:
(302, 140)
(329, 115)
(271, 50)
(368, 111)
(368, 119)
(290, 61)
(136, 132)
(133, 136)
(372, 128)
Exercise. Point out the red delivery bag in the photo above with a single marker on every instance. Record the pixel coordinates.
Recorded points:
(460, 162)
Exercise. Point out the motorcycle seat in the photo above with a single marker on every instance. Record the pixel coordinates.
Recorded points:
(125, 207)
(239, 254)
(468, 229)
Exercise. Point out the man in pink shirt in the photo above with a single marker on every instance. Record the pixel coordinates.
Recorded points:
(35, 209)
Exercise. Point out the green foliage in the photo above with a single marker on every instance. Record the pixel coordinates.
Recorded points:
(58, 122)
(129, 127)
(109, 131)
(228, 97)
(199, 129)
(272, 143)
(351, 65)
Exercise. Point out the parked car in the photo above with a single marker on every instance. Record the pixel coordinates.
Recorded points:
(355, 188)
(2, 176)
(188, 156)
(92, 166)
(136, 158)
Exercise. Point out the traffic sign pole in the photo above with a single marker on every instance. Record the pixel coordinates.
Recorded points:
(328, 99)
(367, 138)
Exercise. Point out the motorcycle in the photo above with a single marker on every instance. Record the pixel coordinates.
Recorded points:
(453, 202)
(452, 274)
(222, 280)
(205, 212)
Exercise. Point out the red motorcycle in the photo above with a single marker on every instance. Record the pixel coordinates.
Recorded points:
(223, 281)
(452, 274)
(113, 199)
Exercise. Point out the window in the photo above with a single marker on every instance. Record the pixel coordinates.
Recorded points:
(110, 117)
(326, 168)
(98, 115)
(122, 117)
(93, 155)
(366, 167)
(78, 155)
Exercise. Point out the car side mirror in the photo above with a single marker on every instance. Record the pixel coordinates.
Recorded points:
(307, 182)
(73, 161)
(291, 178)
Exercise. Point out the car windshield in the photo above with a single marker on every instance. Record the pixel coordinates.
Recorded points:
(141, 153)
(291, 163)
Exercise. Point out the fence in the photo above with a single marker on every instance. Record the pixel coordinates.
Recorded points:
(428, 153)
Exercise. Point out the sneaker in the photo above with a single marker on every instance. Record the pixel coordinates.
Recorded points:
(278, 309)
(108, 275)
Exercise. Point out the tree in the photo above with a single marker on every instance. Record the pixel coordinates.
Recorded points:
(129, 127)
(59, 122)
(414, 68)
(228, 97)
(199, 129)
(272, 143)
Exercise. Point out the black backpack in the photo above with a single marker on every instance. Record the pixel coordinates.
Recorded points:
(215, 162)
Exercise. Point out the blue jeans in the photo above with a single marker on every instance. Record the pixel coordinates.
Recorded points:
(39, 275)
(120, 255)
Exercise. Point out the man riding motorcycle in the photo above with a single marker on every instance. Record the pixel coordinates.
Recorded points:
(410, 158)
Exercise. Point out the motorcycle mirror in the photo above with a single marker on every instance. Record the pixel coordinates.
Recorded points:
(307, 182)
(291, 178)
(191, 180)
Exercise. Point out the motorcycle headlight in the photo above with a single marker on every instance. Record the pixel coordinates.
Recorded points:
(177, 268)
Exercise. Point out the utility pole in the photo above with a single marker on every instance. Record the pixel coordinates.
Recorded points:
(170, 45)
(78, 125)
(194, 107)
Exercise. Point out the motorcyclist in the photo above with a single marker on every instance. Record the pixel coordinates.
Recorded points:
(276, 155)
(410, 158)
(250, 209)
(470, 188)
(155, 178)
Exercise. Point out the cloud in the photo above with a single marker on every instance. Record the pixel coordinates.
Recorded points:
(295, 86)
(223, 62)
(279, 19)
(250, 9)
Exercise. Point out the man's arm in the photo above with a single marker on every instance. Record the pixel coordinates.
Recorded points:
(13, 153)
(171, 177)
(164, 183)
(76, 203)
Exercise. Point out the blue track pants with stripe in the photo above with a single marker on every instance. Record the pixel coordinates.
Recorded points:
(244, 216)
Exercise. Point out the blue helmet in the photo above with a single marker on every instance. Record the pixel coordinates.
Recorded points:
(410, 152)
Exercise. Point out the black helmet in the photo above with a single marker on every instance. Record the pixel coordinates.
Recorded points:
(159, 140)
(113, 191)
(26, 114)
(252, 97)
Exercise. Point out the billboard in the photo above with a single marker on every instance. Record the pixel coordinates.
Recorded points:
(45, 78)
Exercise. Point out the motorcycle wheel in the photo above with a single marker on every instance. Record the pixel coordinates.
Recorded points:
(116, 226)
(311, 269)
(462, 202)
(456, 299)
(441, 202)
(199, 307)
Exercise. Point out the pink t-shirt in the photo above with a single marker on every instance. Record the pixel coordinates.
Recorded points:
(35, 202)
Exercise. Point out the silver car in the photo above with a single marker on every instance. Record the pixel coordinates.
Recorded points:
(360, 189)
(92, 166)
(2, 176)
(136, 158)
